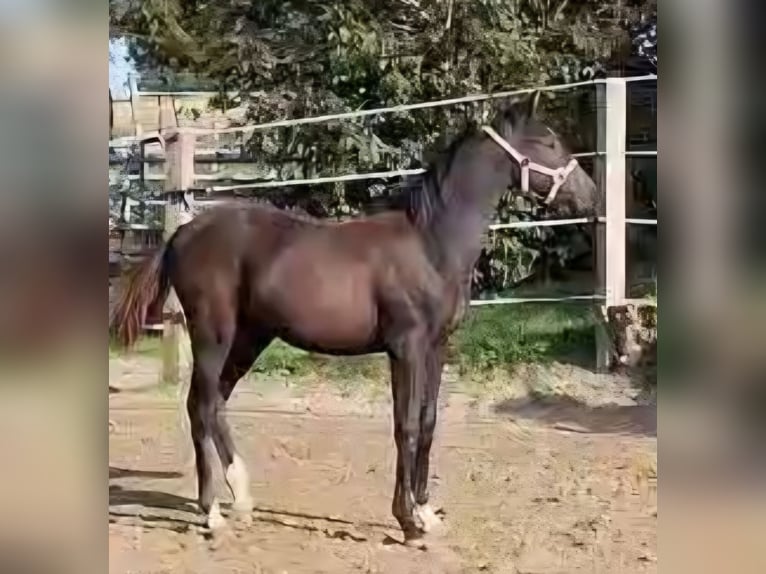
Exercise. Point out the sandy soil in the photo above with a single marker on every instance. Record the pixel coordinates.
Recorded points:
(534, 487)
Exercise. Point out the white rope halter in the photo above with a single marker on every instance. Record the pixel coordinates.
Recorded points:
(559, 175)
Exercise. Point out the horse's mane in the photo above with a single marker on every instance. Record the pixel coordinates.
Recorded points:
(425, 195)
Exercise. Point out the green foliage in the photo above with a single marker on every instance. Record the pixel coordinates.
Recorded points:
(297, 58)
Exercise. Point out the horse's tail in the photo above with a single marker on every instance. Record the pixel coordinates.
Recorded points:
(146, 285)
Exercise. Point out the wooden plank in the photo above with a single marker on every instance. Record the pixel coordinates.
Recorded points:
(134, 99)
(167, 113)
(179, 168)
(180, 150)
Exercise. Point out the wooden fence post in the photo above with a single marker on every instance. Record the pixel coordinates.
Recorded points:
(179, 161)
(611, 99)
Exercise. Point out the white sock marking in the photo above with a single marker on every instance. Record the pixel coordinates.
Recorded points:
(215, 519)
(239, 483)
(427, 515)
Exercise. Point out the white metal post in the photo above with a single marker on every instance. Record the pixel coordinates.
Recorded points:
(611, 99)
(616, 140)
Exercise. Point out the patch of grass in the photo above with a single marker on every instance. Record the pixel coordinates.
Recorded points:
(500, 336)
(492, 340)
(282, 359)
(348, 374)
(492, 337)
(148, 346)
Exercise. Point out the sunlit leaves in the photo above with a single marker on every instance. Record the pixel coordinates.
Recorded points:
(297, 58)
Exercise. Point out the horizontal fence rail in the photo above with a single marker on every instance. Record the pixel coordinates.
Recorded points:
(316, 180)
(298, 181)
(515, 300)
(384, 110)
(234, 93)
(491, 227)
(541, 223)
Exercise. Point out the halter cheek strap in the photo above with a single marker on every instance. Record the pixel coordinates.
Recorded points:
(559, 175)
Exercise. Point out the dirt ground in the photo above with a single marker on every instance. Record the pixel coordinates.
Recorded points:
(526, 486)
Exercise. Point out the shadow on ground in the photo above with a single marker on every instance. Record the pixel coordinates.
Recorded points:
(117, 472)
(139, 506)
(119, 496)
(566, 413)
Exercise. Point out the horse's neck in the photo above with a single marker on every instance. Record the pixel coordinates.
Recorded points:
(457, 232)
(472, 190)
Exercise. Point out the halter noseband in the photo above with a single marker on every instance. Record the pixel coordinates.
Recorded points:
(559, 174)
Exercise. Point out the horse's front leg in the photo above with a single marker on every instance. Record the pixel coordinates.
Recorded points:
(434, 363)
(408, 376)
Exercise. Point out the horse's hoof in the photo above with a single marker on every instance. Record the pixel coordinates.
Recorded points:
(242, 518)
(215, 520)
(242, 511)
(415, 541)
(216, 523)
(428, 518)
(242, 506)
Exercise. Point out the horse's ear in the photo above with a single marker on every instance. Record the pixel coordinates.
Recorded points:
(510, 112)
(534, 99)
(510, 117)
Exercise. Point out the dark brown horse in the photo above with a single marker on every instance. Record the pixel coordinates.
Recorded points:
(395, 282)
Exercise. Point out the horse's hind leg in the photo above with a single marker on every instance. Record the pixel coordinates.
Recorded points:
(247, 346)
(211, 342)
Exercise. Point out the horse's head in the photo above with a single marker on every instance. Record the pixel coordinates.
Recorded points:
(545, 168)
